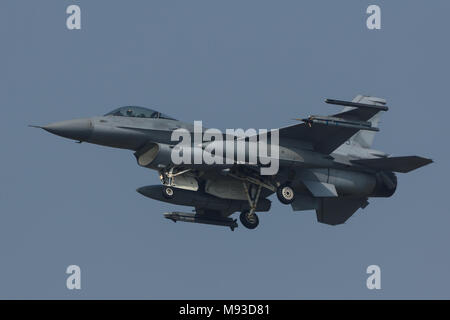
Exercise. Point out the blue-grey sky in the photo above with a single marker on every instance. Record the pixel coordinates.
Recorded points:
(232, 64)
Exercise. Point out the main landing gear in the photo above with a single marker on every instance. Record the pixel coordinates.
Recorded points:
(285, 194)
(248, 218)
(250, 221)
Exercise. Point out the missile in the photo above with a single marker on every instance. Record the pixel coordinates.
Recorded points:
(201, 218)
(339, 122)
(356, 104)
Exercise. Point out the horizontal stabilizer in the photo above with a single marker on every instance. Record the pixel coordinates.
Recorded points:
(395, 164)
(321, 189)
(337, 210)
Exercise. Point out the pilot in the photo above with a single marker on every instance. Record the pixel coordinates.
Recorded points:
(130, 113)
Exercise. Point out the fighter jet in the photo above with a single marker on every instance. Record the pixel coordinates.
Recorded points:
(326, 164)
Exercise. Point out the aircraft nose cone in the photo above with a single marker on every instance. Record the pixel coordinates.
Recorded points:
(78, 129)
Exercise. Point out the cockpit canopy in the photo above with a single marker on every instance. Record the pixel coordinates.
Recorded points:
(138, 112)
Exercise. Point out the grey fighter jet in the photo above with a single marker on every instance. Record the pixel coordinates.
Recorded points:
(326, 164)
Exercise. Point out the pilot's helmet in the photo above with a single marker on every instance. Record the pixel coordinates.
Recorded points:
(129, 112)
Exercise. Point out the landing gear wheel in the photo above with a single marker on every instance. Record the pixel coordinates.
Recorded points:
(285, 194)
(249, 220)
(167, 192)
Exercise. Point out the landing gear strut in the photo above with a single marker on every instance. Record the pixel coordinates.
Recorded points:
(249, 218)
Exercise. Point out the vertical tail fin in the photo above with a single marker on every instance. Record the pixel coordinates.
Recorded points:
(365, 138)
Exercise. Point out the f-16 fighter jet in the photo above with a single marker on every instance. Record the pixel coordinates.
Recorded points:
(323, 163)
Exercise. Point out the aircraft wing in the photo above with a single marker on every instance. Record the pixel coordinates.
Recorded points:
(327, 133)
(324, 139)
